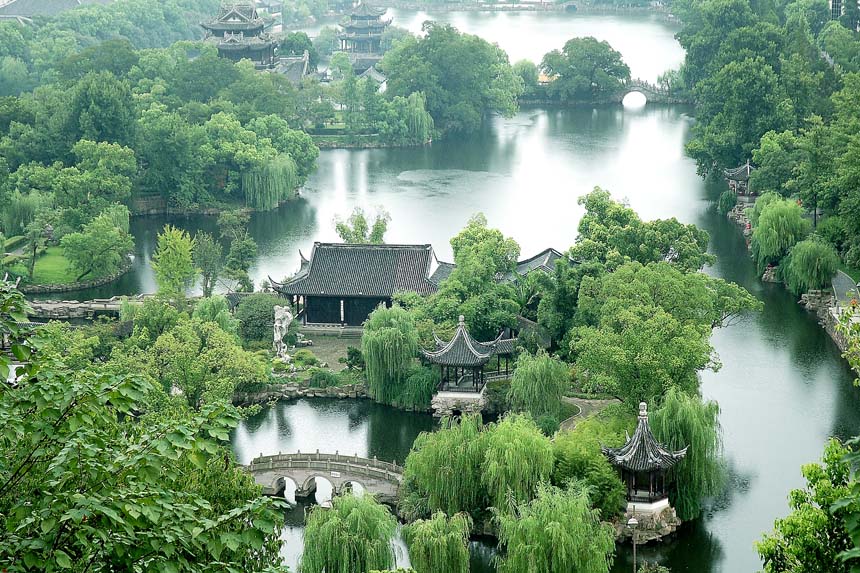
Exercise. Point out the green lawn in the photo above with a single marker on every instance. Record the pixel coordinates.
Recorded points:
(53, 268)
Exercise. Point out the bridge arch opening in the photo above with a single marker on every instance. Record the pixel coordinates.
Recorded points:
(320, 488)
(287, 487)
(353, 487)
(634, 99)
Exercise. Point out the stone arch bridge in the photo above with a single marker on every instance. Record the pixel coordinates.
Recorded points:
(382, 479)
(653, 93)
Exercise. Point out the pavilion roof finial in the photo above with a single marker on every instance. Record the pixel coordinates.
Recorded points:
(643, 411)
(642, 452)
(461, 320)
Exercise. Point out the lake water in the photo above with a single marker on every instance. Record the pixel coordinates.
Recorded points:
(783, 388)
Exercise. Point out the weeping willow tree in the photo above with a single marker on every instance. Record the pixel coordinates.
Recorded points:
(686, 421)
(389, 344)
(20, 210)
(810, 264)
(353, 535)
(439, 544)
(443, 470)
(557, 532)
(538, 384)
(418, 388)
(518, 459)
(780, 226)
(265, 187)
(418, 121)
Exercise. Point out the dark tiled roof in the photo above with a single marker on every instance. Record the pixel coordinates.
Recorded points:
(342, 269)
(365, 11)
(295, 68)
(544, 260)
(442, 272)
(27, 8)
(463, 350)
(642, 452)
(741, 173)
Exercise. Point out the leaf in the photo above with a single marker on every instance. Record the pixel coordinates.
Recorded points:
(21, 352)
(63, 559)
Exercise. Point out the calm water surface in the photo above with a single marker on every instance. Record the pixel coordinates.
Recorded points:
(783, 388)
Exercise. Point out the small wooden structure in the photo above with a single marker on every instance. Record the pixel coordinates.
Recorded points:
(738, 179)
(462, 360)
(643, 462)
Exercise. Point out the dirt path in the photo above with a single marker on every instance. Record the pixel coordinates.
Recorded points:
(586, 408)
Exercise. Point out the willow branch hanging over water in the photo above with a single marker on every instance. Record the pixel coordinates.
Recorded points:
(267, 186)
(681, 421)
(439, 544)
(389, 344)
(353, 535)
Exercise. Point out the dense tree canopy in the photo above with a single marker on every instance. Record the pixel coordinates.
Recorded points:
(463, 77)
(585, 70)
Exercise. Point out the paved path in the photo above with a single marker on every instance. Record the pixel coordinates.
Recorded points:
(586, 409)
(844, 289)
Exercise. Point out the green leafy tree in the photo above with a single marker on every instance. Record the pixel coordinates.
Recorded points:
(99, 250)
(557, 532)
(389, 344)
(686, 421)
(814, 534)
(517, 460)
(810, 264)
(578, 457)
(638, 352)
(84, 483)
(585, 70)
(256, 315)
(775, 159)
(216, 309)
(101, 108)
(357, 228)
(443, 470)
(207, 256)
(779, 227)
(204, 363)
(538, 384)
(353, 535)
(463, 77)
(528, 72)
(612, 233)
(439, 544)
(173, 262)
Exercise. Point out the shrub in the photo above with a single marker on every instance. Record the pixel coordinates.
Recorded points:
(354, 359)
(321, 378)
(832, 229)
(727, 202)
(549, 425)
(305, 357)
(809, 265)
(418, 388)
(578, 456)
(256, 316)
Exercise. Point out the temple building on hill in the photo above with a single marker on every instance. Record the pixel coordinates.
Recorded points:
(342, 283)
(239, 32)
(362, 36)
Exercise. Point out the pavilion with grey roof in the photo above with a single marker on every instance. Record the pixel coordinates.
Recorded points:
(643, 462)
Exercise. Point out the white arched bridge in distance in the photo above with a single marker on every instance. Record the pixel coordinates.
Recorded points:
(382, 479)
(653, 93)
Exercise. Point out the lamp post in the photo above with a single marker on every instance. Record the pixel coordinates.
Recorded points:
(632, 523)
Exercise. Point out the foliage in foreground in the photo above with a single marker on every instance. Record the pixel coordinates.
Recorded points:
(557, 532)
(353, 535)
(814, 534)
(85, 478)
(256, 315)
(685, 421)
(439, 544)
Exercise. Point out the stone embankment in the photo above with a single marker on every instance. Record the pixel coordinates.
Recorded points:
(293, 390)
(655, 521)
